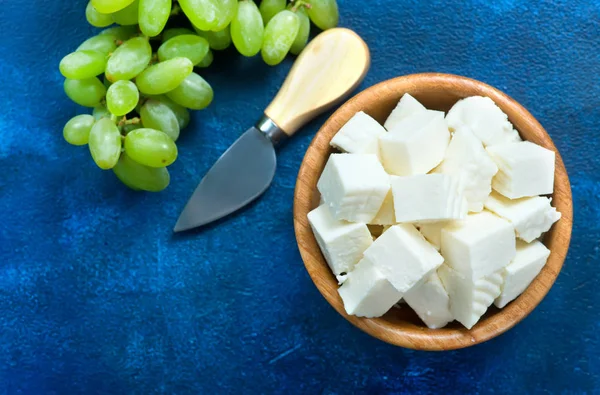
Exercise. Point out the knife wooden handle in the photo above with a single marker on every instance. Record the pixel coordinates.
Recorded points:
(331, 66)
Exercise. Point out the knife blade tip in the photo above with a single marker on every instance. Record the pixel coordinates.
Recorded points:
(181, 227)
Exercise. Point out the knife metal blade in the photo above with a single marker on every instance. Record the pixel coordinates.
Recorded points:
(240, 175)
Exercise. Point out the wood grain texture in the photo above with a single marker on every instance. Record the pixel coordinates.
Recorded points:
(328, 69)
(402, 327)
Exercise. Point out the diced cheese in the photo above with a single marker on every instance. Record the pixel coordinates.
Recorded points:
(354, 186)
(428, 197)
(525, 169)
(431, 302)
(465, 155)
(426, 212)
(415, 145)
(484, 118)
(433, 232)
(531, 216)
(342, 243)
(469, 298)
(528, 262)
(360, 135)
(406, 107)
(386, 215)
(403, 256)
(480, 245)
(366, 292)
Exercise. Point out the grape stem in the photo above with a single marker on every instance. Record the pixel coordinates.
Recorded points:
(153, 59)
(176, 10)
(300, 3)
(133, 121)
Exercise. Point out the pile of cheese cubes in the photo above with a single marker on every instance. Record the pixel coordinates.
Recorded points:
(458, 198)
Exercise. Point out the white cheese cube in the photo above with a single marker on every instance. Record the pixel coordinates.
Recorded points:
(484, 118)
(465, 155)
(480, 245)
(366, 293)
(528, 262)
(342, 243)
(431, 302)
(531, 216)
(360, 135)
(433, 232)
(406, 107)
(428, 197)
(525, 169)
(403, 256)
(469, 299)
(386, 215)
(415, 145)
(354, 186)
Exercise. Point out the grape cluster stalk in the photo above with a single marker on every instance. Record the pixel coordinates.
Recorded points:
(142, 75)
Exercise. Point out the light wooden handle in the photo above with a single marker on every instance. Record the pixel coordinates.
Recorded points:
(329, 68)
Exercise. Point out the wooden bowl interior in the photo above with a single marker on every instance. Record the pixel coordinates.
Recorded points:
(401, 326)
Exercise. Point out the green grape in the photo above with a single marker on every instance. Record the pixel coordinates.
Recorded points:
(204, 14)
(157, 115)
(122, 97)
(174, 32)
(153, 16)
(130, 59)
(227, 9)
(101, 112)
(193, 93)
(130, 127)
(87, 93)
(324, 13)
(181, 113)
(105, 143)
(140, 177)
(110, 6)
(217, 40)
(150, 147)
(207, 61)
(280, 34)
(95, 18)
(188, 46)
(164, 76)
(247, 29)
(104, 44)
(121, 33)
(77, 130)
(270, 8)
(81, 65)
(128, 15)
(303, 31)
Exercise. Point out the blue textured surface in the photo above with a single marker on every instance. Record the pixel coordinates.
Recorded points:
(98, 296)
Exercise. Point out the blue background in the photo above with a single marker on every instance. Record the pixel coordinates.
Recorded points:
(97, 296)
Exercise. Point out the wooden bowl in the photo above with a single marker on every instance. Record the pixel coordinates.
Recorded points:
(401, 326)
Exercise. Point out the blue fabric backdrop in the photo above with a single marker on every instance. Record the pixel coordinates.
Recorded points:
(97, 296)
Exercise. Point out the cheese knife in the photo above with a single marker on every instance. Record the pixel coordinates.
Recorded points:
(331, 66)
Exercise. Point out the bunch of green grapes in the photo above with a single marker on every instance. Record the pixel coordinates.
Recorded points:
(142, 77)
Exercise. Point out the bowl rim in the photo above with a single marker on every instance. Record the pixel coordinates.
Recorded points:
(420, 337)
